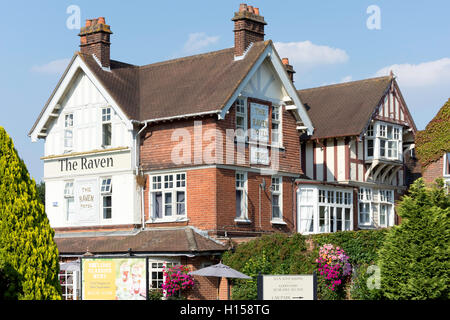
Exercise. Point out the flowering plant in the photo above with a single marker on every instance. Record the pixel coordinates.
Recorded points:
(176, 280)
(333, 266)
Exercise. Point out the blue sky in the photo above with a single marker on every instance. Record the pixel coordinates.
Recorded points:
(326, 41)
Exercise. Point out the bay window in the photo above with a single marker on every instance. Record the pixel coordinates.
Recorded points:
(324, 210)
(168, 196)
(365, 199)
(386, 143)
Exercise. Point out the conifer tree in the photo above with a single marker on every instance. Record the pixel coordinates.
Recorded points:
(414, 260)
(28, 253)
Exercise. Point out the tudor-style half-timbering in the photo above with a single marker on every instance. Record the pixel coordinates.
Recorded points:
(363, 130)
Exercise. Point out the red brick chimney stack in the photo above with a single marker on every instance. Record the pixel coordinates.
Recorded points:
(289, 69)
(248, 28)
(95, 39)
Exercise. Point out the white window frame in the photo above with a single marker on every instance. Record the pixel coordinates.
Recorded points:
(365, 200)
(171, 184)
(68, 132)
(446, 165)
(391, 136)
(276, 189)
(65, 287)
(160, 264)
(241, 183)
(241, 111)
(106, 192)
(332, 200)
(69, 197)
(278, 120)
(106, 120)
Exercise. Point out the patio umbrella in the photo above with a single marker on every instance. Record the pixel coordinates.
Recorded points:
(220, 271)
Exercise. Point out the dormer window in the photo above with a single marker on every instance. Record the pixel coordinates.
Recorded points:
(106, 127)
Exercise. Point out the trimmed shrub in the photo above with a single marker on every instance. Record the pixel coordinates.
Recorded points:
(414, 259)
(28, 253)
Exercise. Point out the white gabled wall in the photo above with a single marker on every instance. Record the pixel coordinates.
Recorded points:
(85, 102)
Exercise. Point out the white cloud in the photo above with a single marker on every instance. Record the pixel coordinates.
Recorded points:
(424, 87)
(198, 41)
(53, 67)
(346, 79)
(420, 75)
(306, 54)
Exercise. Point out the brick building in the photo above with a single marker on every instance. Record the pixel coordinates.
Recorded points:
(178, 160)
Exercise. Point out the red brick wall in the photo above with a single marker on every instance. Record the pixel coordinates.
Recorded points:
(433, 171)
(210, 192)
(205, 288)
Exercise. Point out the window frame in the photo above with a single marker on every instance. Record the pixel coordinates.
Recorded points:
(106, 120)
(68, 196)
(68, 128)
(329, 201)
(241, 103)
(244, 198)
(169, 183)
(104, 194)
(278, 192)
(278, 121)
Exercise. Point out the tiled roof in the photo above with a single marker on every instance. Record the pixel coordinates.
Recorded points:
(181, 240)
(197, 84)
(343, 109)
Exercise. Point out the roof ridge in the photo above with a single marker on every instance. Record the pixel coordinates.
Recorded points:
(200, 55)
(342, 84)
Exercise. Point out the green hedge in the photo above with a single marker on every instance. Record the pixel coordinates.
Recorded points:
(361, 246)
(283, 254)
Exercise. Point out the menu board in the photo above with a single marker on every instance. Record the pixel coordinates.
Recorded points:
(114, 279)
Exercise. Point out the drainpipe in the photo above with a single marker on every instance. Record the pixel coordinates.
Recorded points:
(137, 160)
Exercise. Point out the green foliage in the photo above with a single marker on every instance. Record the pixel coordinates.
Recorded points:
(361, 246)
(27, 250)
(414, 259)
(40, 188)
(269, 254)
(434, 141)
(359, 289)
(155, 294)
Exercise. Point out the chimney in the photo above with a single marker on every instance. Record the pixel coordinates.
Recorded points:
(289, 69)
(94, 39)
(248, 28)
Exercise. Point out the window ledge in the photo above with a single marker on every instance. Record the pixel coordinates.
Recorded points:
(278, 222)
(241, 220)
(184, 219)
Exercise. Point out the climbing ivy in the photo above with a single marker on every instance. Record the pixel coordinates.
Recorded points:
(434, 141)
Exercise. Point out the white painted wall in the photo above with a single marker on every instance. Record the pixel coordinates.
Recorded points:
(85, 101)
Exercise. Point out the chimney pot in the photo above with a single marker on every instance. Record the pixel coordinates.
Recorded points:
(88, 22)
(101, 20)
(256, 10)
(242, 7)
(285, 61)
(250, 9)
